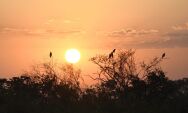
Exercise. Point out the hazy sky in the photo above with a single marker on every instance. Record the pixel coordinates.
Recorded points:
(29, 29)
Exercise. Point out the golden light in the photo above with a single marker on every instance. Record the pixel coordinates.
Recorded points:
(72, 56)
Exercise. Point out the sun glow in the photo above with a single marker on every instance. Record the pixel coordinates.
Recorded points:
(72, 56)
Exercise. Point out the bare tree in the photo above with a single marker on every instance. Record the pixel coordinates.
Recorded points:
(120, 69)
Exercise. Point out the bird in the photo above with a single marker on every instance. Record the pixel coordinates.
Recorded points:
(114, 50)
(163, 55)
(111, 54)
(50, 54)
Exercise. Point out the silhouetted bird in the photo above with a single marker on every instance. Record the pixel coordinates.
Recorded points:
(163, 55)
(50, 54)
(114, 50)
(111, 54)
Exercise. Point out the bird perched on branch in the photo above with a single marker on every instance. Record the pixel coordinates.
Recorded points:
(163, 55)
(111, 54)
(50, 54)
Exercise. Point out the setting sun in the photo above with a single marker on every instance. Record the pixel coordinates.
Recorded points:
(72, 56)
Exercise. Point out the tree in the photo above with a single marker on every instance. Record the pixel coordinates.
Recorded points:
(123, 86)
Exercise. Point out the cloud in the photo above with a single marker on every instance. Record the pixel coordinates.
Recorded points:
(61, 22)
(180, 27)
(165, 43)
(51, 26)
(132, 32)
(168, 40)
(177, 38)
(150, 38)
(49, 21)
(36, 32)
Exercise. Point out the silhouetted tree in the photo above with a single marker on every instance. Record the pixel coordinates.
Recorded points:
(123, 87)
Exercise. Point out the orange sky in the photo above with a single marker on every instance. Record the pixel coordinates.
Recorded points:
(29, 29)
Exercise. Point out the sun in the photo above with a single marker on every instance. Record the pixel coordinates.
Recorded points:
(72, 56)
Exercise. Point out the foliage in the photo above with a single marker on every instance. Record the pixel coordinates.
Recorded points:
(124, 87)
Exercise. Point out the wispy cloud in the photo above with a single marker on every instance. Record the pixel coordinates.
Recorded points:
(180, 27)
(151, 38)
(132, 32)
(52, 26)
(49, 21)
(37, 31)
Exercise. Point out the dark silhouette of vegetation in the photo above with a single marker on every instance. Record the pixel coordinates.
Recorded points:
(122, 86)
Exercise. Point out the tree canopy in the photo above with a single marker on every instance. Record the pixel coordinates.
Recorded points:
(123, 86)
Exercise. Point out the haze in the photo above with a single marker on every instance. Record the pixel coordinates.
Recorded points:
(30, 29)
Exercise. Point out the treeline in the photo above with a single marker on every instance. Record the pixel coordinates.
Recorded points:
(122, 86)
